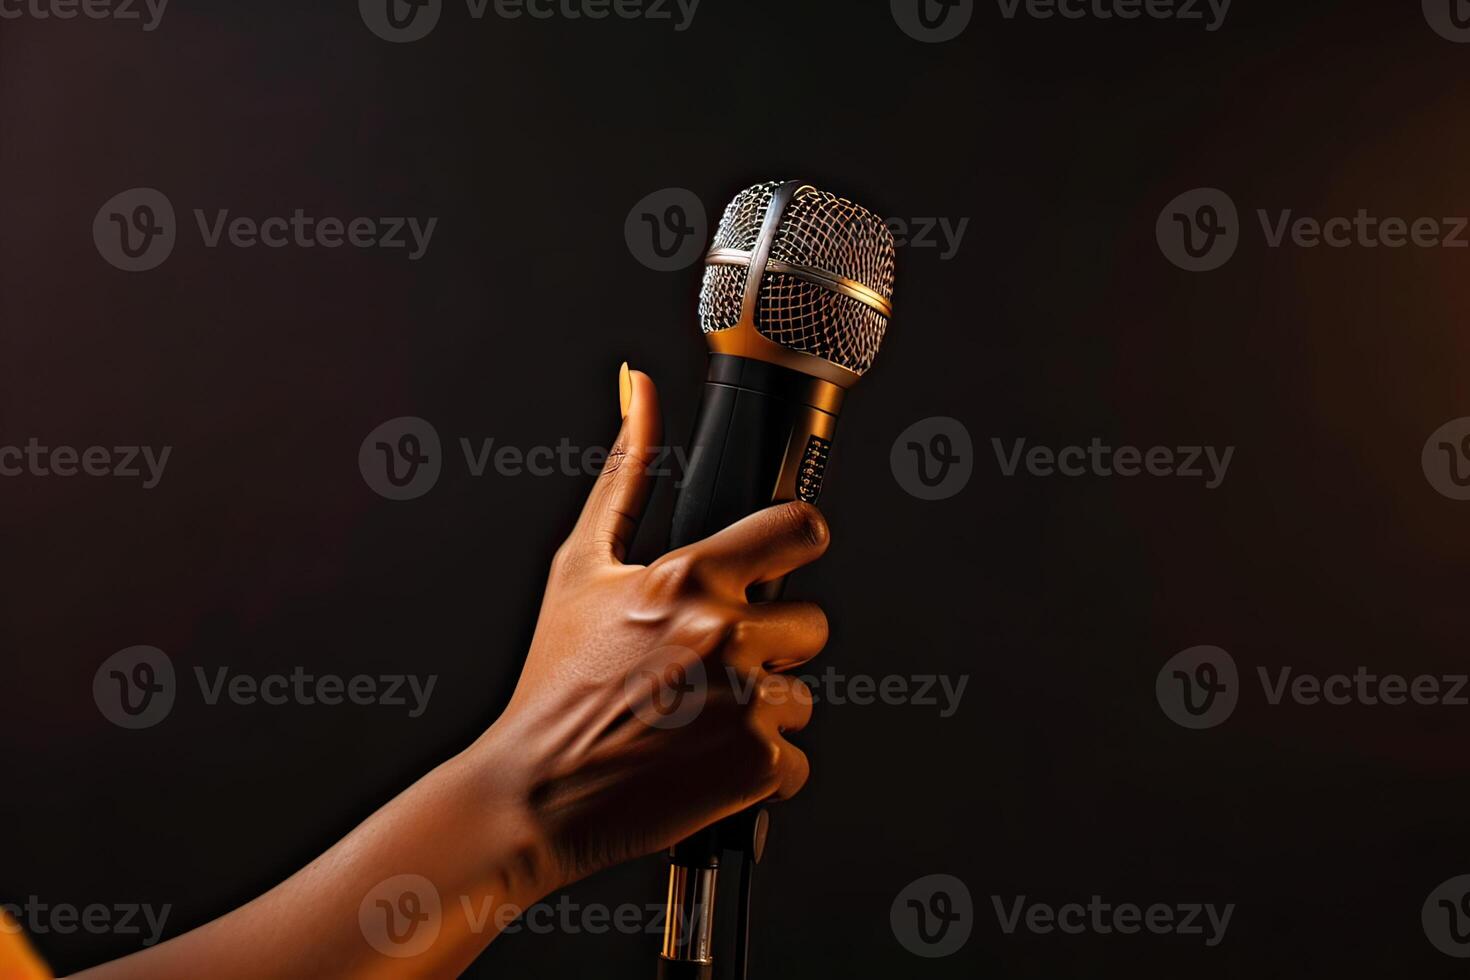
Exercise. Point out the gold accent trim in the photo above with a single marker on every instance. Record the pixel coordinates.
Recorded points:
(727, 256)
(850, 288)
(839, 284)
(744, 340)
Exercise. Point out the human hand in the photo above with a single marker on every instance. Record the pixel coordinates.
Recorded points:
(651, 703)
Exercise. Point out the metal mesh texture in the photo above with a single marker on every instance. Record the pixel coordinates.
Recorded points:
(723, 292)
(741, 223)
(804, 316)
(833, 234)
(819, 230)
(721, 297)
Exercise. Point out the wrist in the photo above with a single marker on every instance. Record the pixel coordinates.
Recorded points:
(496, 780)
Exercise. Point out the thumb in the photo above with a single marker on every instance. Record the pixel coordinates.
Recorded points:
(610, 516)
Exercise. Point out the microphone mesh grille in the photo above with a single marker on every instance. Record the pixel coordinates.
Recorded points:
(723, 292)
(804, 316)
(721, 297)
(740, 226)
(821, 231)
(833, 234)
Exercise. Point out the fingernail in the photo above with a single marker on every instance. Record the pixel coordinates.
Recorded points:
(625, 389)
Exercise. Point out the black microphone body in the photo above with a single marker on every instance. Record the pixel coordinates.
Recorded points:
(762, 436)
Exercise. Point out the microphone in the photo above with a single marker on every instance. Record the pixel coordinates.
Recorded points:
(797, 294)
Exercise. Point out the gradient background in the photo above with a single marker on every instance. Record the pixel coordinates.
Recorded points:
(1059, 320)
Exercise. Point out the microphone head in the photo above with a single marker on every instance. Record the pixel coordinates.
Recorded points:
(801, 278)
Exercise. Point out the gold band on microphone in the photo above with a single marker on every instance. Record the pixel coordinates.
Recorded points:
(850, 288)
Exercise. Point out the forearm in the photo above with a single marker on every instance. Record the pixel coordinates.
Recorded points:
(464, 831)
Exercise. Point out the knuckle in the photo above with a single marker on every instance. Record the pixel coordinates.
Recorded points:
(742, 632)
(774, 690)
(672, 574)
(807, 525)
(705, 625)
(766, 765)
(821, 626)
(803, 771)
(616, 456)
(563, 560)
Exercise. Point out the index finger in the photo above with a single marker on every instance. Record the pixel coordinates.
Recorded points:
(768, 545)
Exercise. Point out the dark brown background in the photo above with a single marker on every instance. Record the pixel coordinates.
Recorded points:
(1058, 321)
